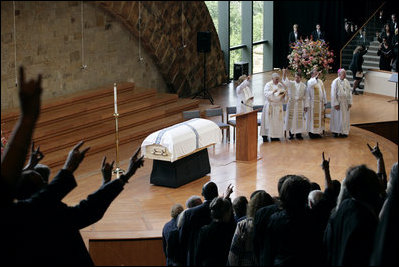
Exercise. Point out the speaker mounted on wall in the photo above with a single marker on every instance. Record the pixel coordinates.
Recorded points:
(204, 42)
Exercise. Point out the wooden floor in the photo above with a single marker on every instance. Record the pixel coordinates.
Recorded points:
(142, 209)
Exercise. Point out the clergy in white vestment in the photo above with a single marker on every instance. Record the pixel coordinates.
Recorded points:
(317, 100)
(245, 97)
(295, 122)
(272, 121)
(341, 102)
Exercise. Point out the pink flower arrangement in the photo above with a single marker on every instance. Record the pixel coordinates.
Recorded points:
(308, 54)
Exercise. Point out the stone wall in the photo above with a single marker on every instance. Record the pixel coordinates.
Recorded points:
(49, 41)
(164, 26)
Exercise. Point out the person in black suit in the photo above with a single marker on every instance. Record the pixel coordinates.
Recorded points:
(295, 35)
(170, 244)
(318, 34)
(194, 219)
(393, 24)
(214, 239)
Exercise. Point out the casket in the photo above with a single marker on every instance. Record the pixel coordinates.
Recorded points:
(180, 151)
(179, 140)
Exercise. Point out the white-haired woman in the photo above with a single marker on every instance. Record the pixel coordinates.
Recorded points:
(341, 102)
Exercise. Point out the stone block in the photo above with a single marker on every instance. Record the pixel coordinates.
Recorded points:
(74, 56)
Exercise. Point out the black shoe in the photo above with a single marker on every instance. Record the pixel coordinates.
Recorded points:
(291, 137)
(343, 135)
(354, 92)
(298, 136)
(312, 136)
(335, 134)
(264, 138)
(275, 139)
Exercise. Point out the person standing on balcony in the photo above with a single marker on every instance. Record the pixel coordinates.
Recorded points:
(386, 33)
(386, 55)
(381, 20)
(356, 66)
(395, 50)
(318, 34)
(294, 36)
(393, 25)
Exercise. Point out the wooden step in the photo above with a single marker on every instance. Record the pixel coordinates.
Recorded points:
(88, 119)
(51, 142)
(72, 99)
(62, 112)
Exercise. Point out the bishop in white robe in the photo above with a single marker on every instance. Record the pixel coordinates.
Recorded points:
(295, 122)
(317, 100)
(245, 96)
(272, 120)
(341, 102)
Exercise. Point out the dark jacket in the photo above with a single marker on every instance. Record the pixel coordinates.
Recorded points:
(291, 37)
(214, 243)
(316, 37)
(386, 242)
(290, 240)
(168, 242)
(357, 61)
(386, 55)
(349, 234)
(193, 220)
(45, 231)
(261, 221)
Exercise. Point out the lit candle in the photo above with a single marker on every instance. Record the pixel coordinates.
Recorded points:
(115, 105)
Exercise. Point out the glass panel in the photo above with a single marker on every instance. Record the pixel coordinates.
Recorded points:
(257, 58)
(235, 56)
(257, 21)
(235, 23)
(235, 34)
(213, 11)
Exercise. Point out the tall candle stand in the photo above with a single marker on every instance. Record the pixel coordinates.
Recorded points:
(118, 171)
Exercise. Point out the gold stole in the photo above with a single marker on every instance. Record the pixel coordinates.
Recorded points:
(316, 107)
(299, 117)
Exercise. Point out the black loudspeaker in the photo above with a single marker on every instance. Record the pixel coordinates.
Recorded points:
(204, 42)
(240, 68)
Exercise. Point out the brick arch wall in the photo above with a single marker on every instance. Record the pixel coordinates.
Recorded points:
(161, 37)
